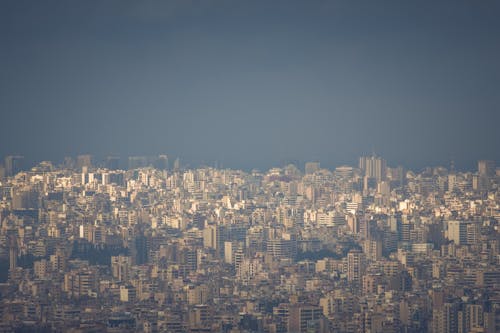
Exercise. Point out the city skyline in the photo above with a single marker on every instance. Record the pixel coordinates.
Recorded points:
(157, 249)
(249, 166)
(168, 162)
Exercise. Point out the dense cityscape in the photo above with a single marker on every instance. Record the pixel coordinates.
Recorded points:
(93, 246)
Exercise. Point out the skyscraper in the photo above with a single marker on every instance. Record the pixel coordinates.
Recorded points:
(139, 250)
(486, 168)
(373, 167)
(486, 171)
(112, 162)
(13, 164)
(13, 251)
(83, 161)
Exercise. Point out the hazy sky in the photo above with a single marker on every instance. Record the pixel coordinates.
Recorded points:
(252, 83)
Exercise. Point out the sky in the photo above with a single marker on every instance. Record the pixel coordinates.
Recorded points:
(252, 84)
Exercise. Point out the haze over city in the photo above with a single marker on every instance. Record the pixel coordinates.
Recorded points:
(187, 166)
(252, 83)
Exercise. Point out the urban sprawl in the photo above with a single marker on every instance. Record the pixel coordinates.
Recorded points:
(153, 247)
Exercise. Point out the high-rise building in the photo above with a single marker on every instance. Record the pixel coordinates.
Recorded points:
(373, 249)
(473, 231)
(177, 164)
(452, 182)
(13, 252)
(396, 176)
(210, 237)
(139, 250)
(136, 162)
(311, 167)
(161, 162)
(112, 162)
(356, 264)
(486, 172)
(457, 232)
(189, 258)
(445, 318)
(373, 167)
(80, 282)
(281, 248)
(13, 164)
(214, 237)
(2, 171)
(25, 199)
(305, 318)
(128, 293)
(228, 252)
(199, 294)
(120, 266)
(486, 168)
(83, 161)
(474, 317)
(58, 260)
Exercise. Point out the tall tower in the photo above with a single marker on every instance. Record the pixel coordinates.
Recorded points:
(83, 161)
(356, 264)
(373, 167)
(486, 172)
(13, 164)
(486, 168)
(177, 164)
(13, 252)
(139, 249)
